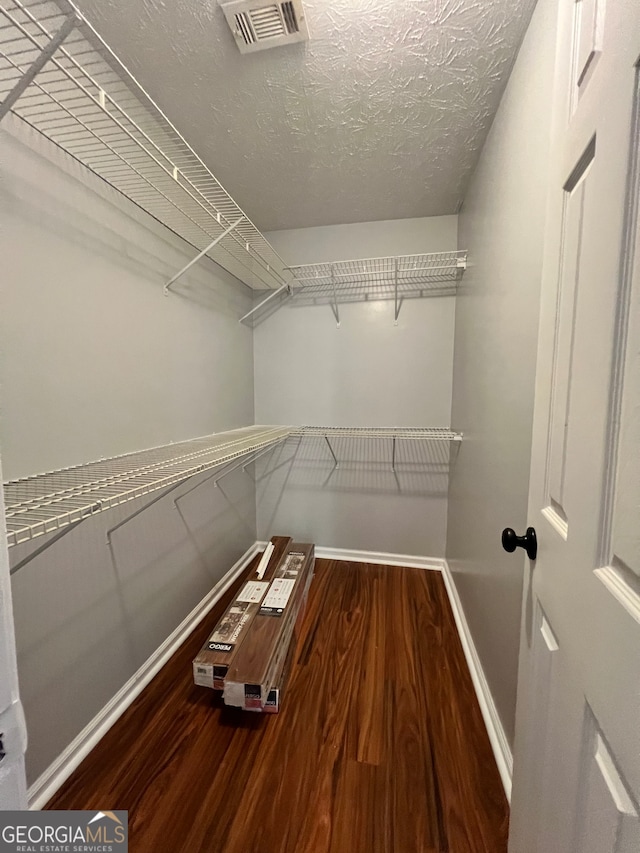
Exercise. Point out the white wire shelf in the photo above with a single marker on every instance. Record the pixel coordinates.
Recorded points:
(60, 77)
(46, 502)
(408, 434)
(399, 277)
(337, 439)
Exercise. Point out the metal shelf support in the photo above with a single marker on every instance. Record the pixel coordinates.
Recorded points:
(201, 254)
(335, 458)
(395, 288)
(334, 304)
(286, 287)
(30, 75)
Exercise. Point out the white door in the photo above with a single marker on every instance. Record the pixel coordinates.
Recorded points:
(576, 782)
(13, 790)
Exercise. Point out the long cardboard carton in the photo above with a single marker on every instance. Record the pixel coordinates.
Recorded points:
(274, 699)
(218, 653)
(260, 659)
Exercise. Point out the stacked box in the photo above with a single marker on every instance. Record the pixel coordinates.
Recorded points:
(259, 665)
(218, 653)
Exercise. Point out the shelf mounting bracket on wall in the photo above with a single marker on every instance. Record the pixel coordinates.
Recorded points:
(398, 303)
(334, 304)
(31, 73)
(335, 458)
(213, 243)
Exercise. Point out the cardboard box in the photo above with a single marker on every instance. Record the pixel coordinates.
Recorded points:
(274, 699)
(218, 653)
(259, 664)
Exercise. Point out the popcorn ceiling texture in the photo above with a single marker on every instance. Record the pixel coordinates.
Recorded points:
(380, 116)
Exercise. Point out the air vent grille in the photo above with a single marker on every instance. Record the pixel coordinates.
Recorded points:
(243, 27)
(289, 15)
(256, 25)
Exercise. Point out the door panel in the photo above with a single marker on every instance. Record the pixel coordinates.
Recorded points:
(622, 540)
(577, 754)
(608, 817)
(589, 25)
(568, 292)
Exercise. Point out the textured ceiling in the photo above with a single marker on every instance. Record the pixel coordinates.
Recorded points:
(381, 115)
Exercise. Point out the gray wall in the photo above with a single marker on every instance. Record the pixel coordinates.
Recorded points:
(501, 224)
(96, 361)
(368, 372)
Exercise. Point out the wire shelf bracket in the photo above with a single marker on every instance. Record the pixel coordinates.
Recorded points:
(201, 254)
(257, 308)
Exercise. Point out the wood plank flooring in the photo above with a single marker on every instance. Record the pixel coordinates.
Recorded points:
(380, 746)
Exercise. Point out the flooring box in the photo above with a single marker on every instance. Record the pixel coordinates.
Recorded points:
(274, 699)
(220, 650)
(259, 662)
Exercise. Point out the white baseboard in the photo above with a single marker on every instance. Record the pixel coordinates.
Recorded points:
(497, 737)
(381, 558)
(411, 561)
(57, 773)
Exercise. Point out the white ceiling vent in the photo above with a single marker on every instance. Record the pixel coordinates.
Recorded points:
(257, 25)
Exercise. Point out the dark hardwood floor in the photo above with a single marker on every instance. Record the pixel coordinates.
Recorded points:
(380, 746)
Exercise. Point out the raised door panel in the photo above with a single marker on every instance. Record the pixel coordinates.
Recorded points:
(560, 424)
(608, 819)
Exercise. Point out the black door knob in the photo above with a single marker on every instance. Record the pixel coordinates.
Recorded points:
(510, 541)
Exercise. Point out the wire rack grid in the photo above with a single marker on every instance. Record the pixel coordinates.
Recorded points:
(380, 278)
(46, 502)
(87, 102)
(402, 433)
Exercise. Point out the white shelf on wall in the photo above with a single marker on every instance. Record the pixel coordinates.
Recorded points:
(404, 433)
(399, 277)
(335, 437)
(58, 75)
(47, 502)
